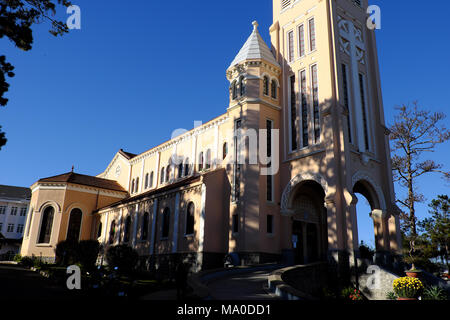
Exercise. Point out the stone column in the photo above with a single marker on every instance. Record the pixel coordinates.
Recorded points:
(379, 217)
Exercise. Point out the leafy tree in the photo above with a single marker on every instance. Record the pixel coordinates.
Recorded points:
(16, 20)
(437, 228)
(123, 257)
(414, 132)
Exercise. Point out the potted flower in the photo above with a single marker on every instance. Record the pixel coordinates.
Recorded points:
(407, 288)
(413, 272)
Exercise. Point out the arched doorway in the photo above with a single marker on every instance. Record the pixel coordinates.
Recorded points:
(73, 230)
(309, 229)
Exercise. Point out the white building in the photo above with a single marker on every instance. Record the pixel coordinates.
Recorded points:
(14, 204)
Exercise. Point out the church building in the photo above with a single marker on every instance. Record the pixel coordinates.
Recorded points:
(272, 179)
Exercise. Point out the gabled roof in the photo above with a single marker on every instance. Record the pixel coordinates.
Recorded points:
(127, 155)
(12, 192)
(76, 178)
(254, 48)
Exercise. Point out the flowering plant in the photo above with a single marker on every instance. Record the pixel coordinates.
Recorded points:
(407, 287)
(356, 295)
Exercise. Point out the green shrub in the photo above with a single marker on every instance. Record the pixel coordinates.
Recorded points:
(17, 258)
(434, 293)
(391, 295)
(87, 253)
(123, 257)
(66, 252)
(26, 262)
(83, 253)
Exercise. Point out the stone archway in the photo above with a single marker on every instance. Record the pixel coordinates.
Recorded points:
(365, 185)
(303, 201)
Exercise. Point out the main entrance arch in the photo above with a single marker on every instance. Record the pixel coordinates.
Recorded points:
(303, 202)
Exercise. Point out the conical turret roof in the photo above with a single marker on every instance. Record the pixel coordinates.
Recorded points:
(254, 48)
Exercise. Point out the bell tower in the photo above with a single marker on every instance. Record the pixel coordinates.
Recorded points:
(333, 129)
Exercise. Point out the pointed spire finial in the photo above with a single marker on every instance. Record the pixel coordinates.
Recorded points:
(73, 167)
(255, 25)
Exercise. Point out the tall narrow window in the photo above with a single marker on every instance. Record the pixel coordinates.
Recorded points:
(266, 85)
(127, 230)
(180, 170)
(315, 98)
(112, 232)
(144, 230)
(274, 87)
(235, 223)
(73, 231)
(304, 98)
(146, 181)
(269, 178)
(234, 92)
(132, 186)
(186, 167)
(269, 224)
(168, 170)
(208, 161)
(224, 150)
(190, 218)
(46, 225)
(150, 184)
(241, 86)
(237, 166)
(301, 40)
(161, 179)
(200, 161)
(165, 223)
(346, 101)
(137, 185)
(290, 43)
(312, 35)
(293, 114)
(99, 230)
(364, 111)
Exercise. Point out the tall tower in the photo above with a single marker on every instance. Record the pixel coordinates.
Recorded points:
(333, 139)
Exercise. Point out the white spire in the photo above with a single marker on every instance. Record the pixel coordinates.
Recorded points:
(254, 48)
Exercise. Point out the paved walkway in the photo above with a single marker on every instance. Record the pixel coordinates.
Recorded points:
(245, 286)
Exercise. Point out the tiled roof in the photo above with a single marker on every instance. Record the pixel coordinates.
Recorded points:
(12, 192)
(254, 48)
(76, 178)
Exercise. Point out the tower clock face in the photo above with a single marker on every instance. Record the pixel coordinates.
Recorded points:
(118, 171)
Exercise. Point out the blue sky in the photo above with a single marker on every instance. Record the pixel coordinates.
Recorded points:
(74, 99)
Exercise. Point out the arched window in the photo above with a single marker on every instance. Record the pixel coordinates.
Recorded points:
(274, 87)
(137, 185)
(224, 150)
(190, 218)
(208, 159)
(165, 223)
(168, 172)
(266, 85)
(73, 231)
(234, 90)
(161, 180)
(200, 161)
(144, 230)
(132, 186)
(146, 181)
(186, 167)
(127, 229)
(46, 225)
(151, 180)
(180, 170)
(112, 232)
(241, 86)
